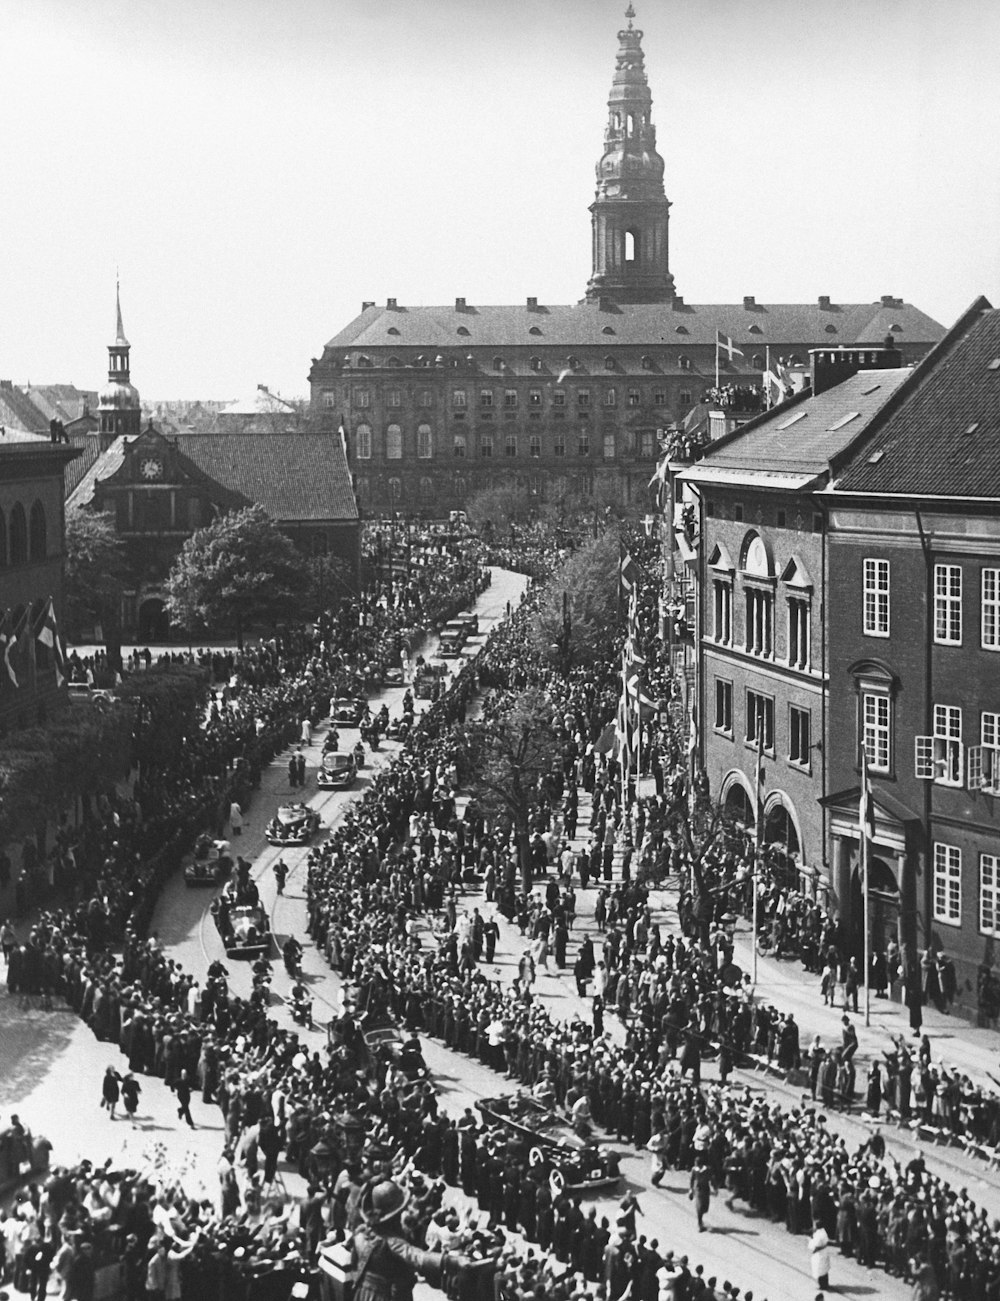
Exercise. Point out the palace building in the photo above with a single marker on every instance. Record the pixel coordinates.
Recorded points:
(439, 402)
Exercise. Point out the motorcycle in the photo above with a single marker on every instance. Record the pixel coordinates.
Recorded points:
(301, 1006)
(292, 955)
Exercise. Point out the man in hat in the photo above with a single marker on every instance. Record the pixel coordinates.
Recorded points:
(386, 1265)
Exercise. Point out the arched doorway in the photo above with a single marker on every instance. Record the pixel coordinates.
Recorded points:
(739, 806)
(782, 845)
(153, 622)
(883, 901)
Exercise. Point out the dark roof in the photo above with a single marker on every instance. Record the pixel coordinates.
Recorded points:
(17, 409)
(801, 437)
(586, 324)
(942, 436)
(63, 401)
(90, 449)
(294, 476)
(98, 467)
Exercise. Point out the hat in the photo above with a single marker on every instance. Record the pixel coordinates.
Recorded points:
(383, 1201)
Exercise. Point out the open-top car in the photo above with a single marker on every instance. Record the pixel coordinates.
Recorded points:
(210, 863)
(573, 1171)
(337, 769)
(347, 711)
(452, 639)
(248, 933)
(429, 680)
(293, 824)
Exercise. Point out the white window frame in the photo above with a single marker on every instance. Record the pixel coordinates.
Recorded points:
(990, 610)
(947, 891)
(425, 442)
(609, 446)
(460, 397)
(876, 610)
(362, 398)
(363, 442)
(948, 753)
(394, 399)
(989, 894)
(982, 762)
(948, 605)
(393, 442)
(876, 730)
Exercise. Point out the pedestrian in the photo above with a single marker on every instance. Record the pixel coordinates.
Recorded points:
(130, 1090)
(819, 1257)
(701, 1191)
(850, 1039)
(236, 818)
(293, 772)
(281, 874)
(8, 941)
(300, 770)
(915, 1002)
(305, 732)
(851, 981)
(182, 1089)
(110, 1091)
(597, 1008)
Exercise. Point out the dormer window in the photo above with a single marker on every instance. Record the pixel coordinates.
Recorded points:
(609, 363)
(498, 363)
(684, 362)
(535, 329)
(462, 330)
(647, 362)
(608, 329)
(573, 363)
(536, 363)
(392, 330)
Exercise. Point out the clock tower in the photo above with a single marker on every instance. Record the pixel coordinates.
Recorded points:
(118, 407)
(630, 212)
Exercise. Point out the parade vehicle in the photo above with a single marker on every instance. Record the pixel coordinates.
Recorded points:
(210, 862)
(533, 1120)
(337, 770)
(293, 824)
(248, 934)
(556, 1151)
(348, 711)
(471, 621)
(429, 680)
(576, 1172)
(452, 639)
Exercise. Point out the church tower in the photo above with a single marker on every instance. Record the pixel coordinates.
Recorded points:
(630, 212)
(118, 407)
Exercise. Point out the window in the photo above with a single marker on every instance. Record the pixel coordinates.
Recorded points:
(395, 489)
(799, 730)
(583, 397)
(984, 760)
(876, 731)
(510, 397)
(798, 633)
(685, 397)
(738, 512)
(939, 757)
(947, 884)
(534, 397)
(989, 894)
(583, 443)
(363, 442)
(426, 398)
(647, 443)
(609, 446)
(498, 363)
(426, 487)
(394, 398)
(362, 397)
(425, 442)
(760, 718)
(510, 444)
(393, 443)
(459, 397)
(684, 363)
(458, 446)
(486, 446)
(634, 398)
(37, 541)
(610, 397)
(559, 445)
(486, 397)
(759, 622)
(329, 399)
(990, 636)
(535, 445)
(723, 706)
(558, 397)
(659, 398)
(722, 628)
(876, 598)
(948, 604)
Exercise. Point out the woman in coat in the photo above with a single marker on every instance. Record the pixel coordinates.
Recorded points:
(110, 1091)
(819, 1258)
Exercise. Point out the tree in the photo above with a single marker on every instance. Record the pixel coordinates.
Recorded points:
(95, 573)
(503, 758)
(582, 623)
(166, 704)
(239, 569)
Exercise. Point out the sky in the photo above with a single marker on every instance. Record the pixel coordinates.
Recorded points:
(254, 169)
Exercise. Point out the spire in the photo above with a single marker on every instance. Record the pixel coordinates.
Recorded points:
(630, 212)
(120, 340)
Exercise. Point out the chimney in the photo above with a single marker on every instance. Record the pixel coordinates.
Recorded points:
(459, 304)
(824, 302)
(831, 366)
(391, 304)
(678, 300)
(365, 306)
(890, 300)
(532, 304)
(749, 302)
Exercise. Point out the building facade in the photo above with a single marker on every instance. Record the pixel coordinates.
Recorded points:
(439, 402)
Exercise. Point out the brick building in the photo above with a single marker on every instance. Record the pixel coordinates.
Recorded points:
(438, 402)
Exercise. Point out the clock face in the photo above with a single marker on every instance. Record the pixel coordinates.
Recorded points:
(151, 469)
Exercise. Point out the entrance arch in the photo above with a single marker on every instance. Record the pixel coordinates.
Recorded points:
(883, 900)
(153, 623)
(738, 799)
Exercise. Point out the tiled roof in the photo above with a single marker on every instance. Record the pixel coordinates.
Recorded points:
(90, 449)
(942, 437)
(294, 476)
(800, 437)
(17, 411)
(589, 325)
(61, 401)
(101, 467)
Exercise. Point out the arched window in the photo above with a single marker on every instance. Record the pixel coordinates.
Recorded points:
(426, 487)
(394, 443)
(757, 361)
(609, 363)
(395, 489)
(684, 362)
(631, 246)
(498, 363)
(536, 363)
(37, 539)
(18, 536)
(754, 558)
(647, 362)
(425, 442)
(363, 442)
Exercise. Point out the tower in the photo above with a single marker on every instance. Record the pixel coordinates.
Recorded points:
(118, 405)
(631, 212)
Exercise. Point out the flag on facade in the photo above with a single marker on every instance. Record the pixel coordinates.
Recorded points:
(343, 435)
(628, 572)
(659, 480)
(48, 634)
(693, 733)
(723, 343)
(11, 641)
(866, 805)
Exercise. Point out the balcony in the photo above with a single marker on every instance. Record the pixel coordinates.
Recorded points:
(748, 398)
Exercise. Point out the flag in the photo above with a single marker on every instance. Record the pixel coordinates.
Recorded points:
(48, 634)
(866, 805)
(659, 479)
(343, 435)
(11, 642)
(693, 733)
(724, 343)
(628, 572)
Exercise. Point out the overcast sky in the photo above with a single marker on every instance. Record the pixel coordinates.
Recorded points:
(257, 168)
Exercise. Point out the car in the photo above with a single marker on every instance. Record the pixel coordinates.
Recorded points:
(471, 621)
(84, 691)
(429, 680)
(452, 638)
(348, 711)
(337, 769)
(210, 862)
(293, 824)
(248, 934)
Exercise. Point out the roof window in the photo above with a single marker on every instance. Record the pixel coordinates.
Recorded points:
(608, 329)
(973, 427)
(392, 330)
(793, 419)
(844, 420)
(535, 329)
(867, 392)
(461, 330)
(896, 328)
(876, 457)
(681, 329)
(755, 329)
(994, 364)
(831, 329)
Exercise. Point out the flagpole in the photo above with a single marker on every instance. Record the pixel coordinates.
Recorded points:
(767, 377)
(758, 840)
(868, 941)
(717, 359)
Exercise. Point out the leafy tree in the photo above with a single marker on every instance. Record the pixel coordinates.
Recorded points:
(95, 570)
(503, 758)
(165, 706)
(239, 569)
(579, 612)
